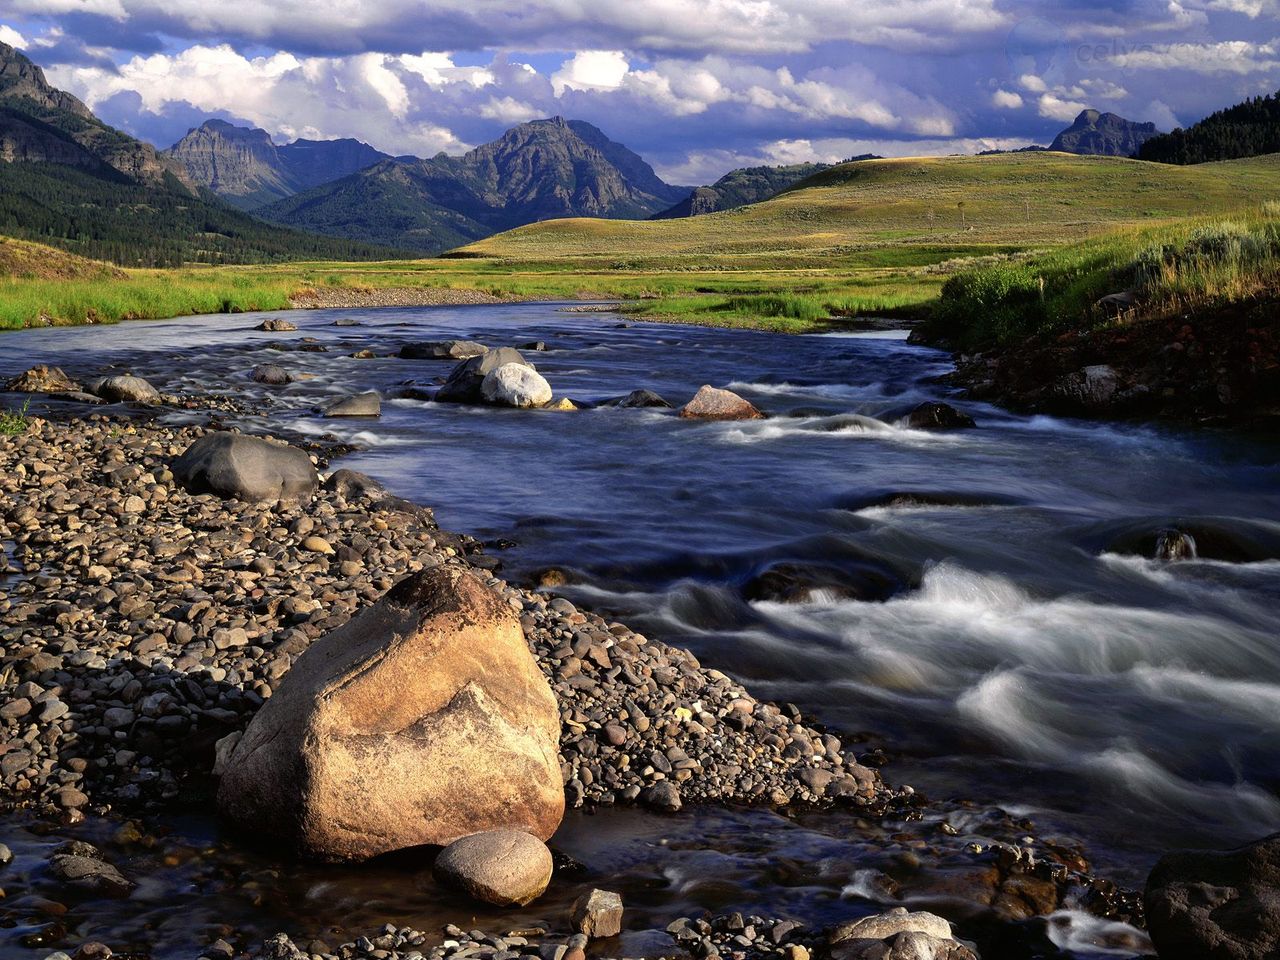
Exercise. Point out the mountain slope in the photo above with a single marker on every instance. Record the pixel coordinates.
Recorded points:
(541, 170)
(1249, 129)
(247, 169)
(1103, 134)
(737, 188)
(901, 209)
(70, 181)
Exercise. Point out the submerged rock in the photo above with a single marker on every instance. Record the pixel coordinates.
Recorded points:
(642, 398)
(127, 389)
(423, 720)
(247, 468)
(442, 350)
(1209, 905)
(43, 379)
(712, 404)
(271, 374)
(933, 415)
(1175, 545)
(515, 385)
(508, 868)
(798, 582)
(367, 404)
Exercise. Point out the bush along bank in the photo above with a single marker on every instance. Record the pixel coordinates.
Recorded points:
(1179, 322)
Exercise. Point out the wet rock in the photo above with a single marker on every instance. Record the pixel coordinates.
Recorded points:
(43, 379)
(534, 346)
(367, 404)
(933, 415)
(127, 389)
(799, 582)
(897, 935)
(362, 749)
(442, 350)
(271, 374)
(712, 404)
(1174, 545)
(277, 325)
(80, 865)
(515, 385)
(642, 398)
(502, 867)
(663, 795)
(247, 468)
(465, 381)
(1209, 905)
(1093, 386)
(597, 914)
(351, 484)
(563, 404)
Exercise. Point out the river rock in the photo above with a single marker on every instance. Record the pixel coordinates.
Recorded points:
(466, 380)
(422, 720)
(712, 404)
(352, 484)
(933, 415)
(43, 379)
(367, 404)
(247, 468)
(271, 374)
(1209, 905)
(515, 385)
(1092, 387)
(442, 350)
(80, 865)
(509, 868)
(597, 914)
(643, 398)
(277, 325)
(127, 389)
(897, 935)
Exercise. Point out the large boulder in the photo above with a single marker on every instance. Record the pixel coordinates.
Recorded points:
(423, 720)
(515, 385)
(442, 350)
(933, 415)
(43, 379)
(897, 935)
(466, 380)
(712, 404)
(127, 388)
(508, 868)
(1208, 905)
(247, 468)
(367, 404)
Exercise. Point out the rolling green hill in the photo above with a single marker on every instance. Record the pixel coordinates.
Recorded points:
(899, 206)
(739, 187)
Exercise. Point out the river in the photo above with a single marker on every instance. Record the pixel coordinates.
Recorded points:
(1004, 632)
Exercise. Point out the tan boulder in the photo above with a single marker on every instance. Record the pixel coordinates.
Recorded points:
(712, 404)
(42, 379)
(423, 720)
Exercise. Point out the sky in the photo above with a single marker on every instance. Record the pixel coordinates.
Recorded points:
(697, 87)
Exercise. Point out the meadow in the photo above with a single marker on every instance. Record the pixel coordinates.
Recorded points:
(873, 237)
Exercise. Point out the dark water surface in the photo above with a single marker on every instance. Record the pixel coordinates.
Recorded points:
(1029, 657)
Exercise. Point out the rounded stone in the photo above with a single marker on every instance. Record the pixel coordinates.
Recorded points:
(503, 867)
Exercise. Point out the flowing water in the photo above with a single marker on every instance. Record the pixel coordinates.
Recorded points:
(986, 604)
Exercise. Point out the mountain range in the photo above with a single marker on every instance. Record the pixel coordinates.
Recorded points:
(1103, 134)
(246, 168)
(69, 180)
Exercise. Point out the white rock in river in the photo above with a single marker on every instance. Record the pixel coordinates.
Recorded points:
(515, 385)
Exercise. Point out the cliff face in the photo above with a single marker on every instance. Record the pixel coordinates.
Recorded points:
(540, 170)
(39, 123)
(1103, 134)
(245, 167)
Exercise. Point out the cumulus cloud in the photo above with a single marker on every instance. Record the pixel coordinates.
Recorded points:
(1053, 107)
(1228, 56)
(1006, 100)
(591, 70)
(11, 36)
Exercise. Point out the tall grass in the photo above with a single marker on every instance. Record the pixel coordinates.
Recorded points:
(1165, 270)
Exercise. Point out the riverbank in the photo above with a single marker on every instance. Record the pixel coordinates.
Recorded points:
(143, 624)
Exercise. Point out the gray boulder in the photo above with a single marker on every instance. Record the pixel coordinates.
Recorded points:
(515, 385)
(1209, 905)
(271, 374)
(368, 404)
(442, 350)
(127, 388)
(277, 325)
(1091, 387)
(466, 380)
(505, 867)
(247, 468)
(642, 398)
(350, 484)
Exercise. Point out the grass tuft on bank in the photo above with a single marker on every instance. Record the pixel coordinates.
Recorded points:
(1194, 265)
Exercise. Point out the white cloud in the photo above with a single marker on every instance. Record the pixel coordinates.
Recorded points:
(1055, 108)
(1228, 56)
(1032, 84)
(11, 36)
(1160, 113)
(1006, 100)
(373, 67)
(591, 70)
(508, 110)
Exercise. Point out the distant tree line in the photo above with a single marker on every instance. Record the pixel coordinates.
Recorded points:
(1248, 129)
